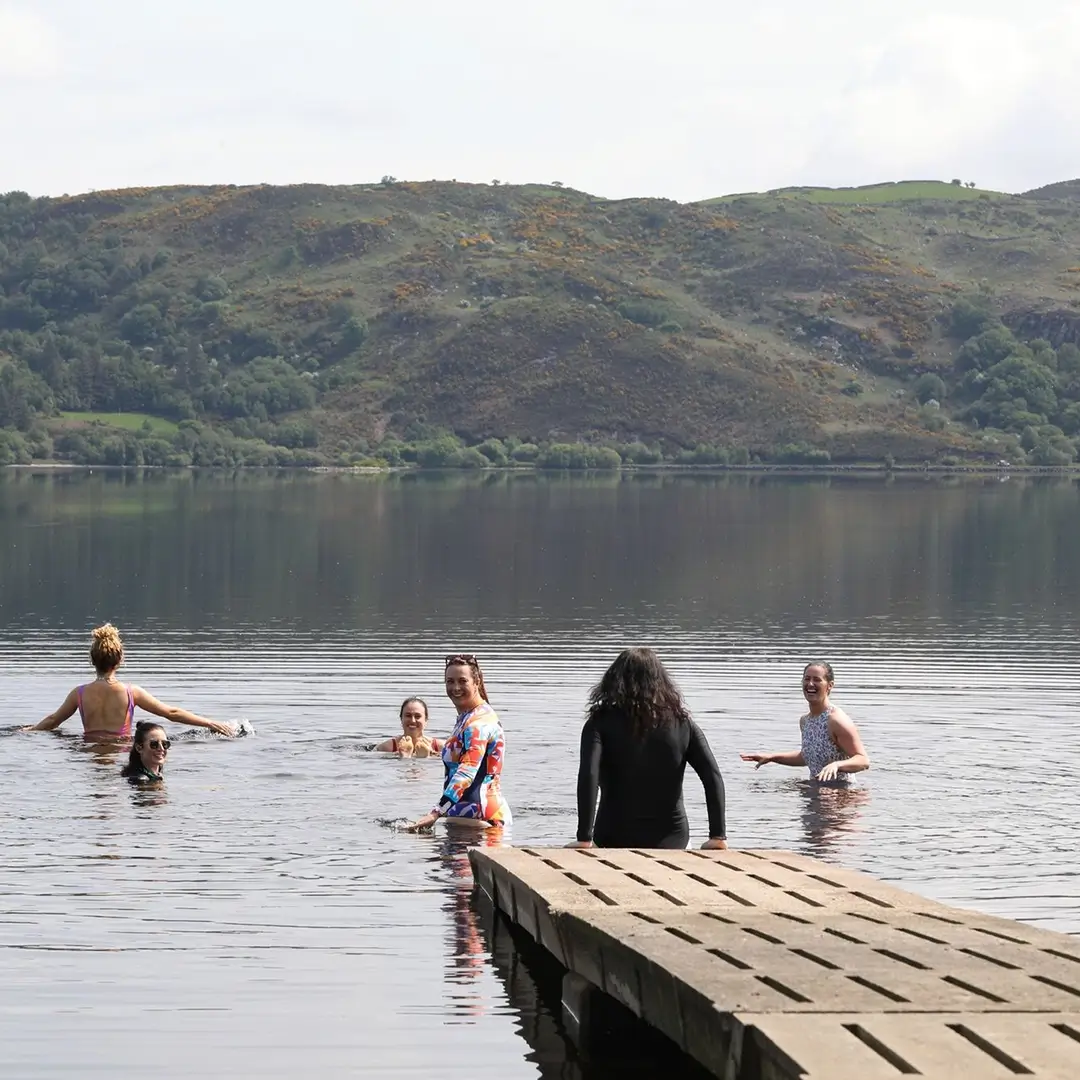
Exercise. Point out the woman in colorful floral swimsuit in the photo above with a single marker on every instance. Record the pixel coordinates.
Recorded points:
(472, 755)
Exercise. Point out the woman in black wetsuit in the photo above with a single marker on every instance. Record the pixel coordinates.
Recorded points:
(635, 746)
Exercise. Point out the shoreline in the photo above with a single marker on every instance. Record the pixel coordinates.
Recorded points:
(868, 468)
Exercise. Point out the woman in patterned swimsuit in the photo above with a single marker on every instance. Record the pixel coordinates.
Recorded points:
(831, 747)
(472, 755)
(106, 706)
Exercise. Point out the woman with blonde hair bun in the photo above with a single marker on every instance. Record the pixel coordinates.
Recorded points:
(107, 706)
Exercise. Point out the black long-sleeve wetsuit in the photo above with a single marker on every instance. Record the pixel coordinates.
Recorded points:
(640, 783)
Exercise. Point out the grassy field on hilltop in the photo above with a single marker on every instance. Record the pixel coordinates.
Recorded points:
(453, 323)
(901, 191)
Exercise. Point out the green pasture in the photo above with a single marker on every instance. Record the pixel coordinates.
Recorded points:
(123, 421)
(904, 191)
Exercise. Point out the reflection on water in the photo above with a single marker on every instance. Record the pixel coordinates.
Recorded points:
(830, 817)
(254, 915)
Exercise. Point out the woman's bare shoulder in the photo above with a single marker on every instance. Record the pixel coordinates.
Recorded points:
(839, 717)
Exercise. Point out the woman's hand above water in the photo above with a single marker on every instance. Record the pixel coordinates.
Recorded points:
(421, 824)
(580, 844)
(830, 772)
(760, 759)
(714, 843)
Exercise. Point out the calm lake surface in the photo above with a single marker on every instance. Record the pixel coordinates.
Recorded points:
(257, 918)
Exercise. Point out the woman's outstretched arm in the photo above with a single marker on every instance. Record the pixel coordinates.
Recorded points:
(55, 719)
(699, 755)
(792, 757)
(151, 704)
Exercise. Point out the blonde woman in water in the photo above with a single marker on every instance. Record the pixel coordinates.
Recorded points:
(107, 706)
(830, 747)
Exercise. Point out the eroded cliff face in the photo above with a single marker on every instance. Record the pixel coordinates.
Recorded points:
(1057, 325)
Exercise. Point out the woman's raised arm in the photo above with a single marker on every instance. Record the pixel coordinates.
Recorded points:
(151, 704)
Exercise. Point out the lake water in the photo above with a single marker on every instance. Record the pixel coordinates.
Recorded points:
(256, 919)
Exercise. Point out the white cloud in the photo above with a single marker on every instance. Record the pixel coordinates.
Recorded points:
(682, 98)
(943, 95)
(28, 46)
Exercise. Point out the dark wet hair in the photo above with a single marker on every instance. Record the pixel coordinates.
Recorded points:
(134, 766)
(410, 701)
(468, 660)
(825, 666)
(638, 684)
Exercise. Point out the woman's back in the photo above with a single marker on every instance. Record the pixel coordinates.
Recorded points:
(106, 707)
(641, 779)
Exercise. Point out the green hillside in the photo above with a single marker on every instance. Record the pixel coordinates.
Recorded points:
(449, 323)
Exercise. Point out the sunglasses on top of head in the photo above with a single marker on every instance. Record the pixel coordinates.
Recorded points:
(460, 658)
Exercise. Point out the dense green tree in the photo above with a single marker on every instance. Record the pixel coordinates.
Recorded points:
(927, 386)
(987, 349)
(494, 451)
(970, 315)
(210, 287)
(144, 325)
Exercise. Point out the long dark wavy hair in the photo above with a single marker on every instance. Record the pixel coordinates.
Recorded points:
(134, 767)
(638, 685)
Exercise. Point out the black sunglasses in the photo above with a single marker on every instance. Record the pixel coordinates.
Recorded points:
(159, 744)
(466, 658)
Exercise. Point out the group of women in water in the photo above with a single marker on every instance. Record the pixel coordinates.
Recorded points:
(637, 740)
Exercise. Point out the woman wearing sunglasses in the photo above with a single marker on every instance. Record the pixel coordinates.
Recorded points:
(472, 755)
(148, 753)
(106, 706)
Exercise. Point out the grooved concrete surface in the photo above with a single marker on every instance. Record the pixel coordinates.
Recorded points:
(768, 964)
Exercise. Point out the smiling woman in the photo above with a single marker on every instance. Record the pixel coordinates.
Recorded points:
(413, 741)
(472, 755)
(831, 746)
(146, 761)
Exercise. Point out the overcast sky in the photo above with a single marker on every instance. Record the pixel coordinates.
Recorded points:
(678, 98)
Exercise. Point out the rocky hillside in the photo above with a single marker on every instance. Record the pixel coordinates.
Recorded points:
(306, 324)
